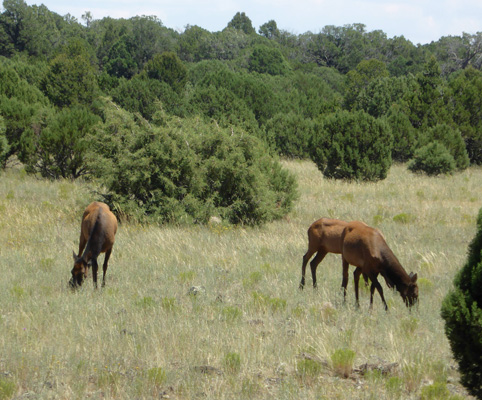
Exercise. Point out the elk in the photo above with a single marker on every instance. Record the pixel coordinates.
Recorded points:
(97, 235)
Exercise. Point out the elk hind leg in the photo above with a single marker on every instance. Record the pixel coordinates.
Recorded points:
(104, 267)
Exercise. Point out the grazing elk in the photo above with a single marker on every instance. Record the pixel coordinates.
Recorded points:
(365, 248)
(324, 236)
(97, 235)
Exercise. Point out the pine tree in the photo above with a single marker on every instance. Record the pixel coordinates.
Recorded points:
(462, 312)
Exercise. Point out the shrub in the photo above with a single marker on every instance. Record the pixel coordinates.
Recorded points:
(433, 159)
(403, 134)
(188, 171)
(267, 60)
(4, 147)
(353, 146)
(462, 312)
(290, 133)
(451, 139)
(60, 148)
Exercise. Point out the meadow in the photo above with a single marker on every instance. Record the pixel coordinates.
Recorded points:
(214, 312)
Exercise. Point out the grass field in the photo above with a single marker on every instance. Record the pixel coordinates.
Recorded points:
(214, 312)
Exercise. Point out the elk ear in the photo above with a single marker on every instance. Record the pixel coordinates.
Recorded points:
(74, 255)
(413, 277)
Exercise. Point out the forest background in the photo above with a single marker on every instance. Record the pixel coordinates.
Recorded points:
(108, 97)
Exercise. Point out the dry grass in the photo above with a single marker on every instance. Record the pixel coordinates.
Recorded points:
(248, 332)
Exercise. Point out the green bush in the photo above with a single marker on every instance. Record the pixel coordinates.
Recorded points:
(404, 137)
(188, 171)
(451, 139)
(290, 134)
(353, 145)
(433, 159)
(462, 312)
(268, 60)
(59, 150)
(4, 147)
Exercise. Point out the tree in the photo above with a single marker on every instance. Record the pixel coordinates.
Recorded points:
(71, 78)
(427, 103)
(403, 133)
(195, 44)
(241, 22)
(466, 109)
(4, 147)
(290, 134)
(462, 312)
(353, 145)
(269, 30)
(168, 68)
(142, 95)
(61, 146)
(358, 79)
(120, 62)
(267, 60)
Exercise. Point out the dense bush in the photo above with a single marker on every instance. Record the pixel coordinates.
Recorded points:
(266, 60)
(353, 146)
(433, 159)
(290, 134)
(59, 149)
(188, 170)
(462, 312)
(4, 147)
(452, 140)
(404, 134)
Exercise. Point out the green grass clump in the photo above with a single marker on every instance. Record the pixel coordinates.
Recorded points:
(7, 388)
(232, 362)
(156, 376)
(342, 362)
(404, 218)
(309, 367)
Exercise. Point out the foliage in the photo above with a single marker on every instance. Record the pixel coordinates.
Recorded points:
(451, 139)
(4, 147)
(290, 134)
(353, 146)
(71, 78)
(232, 362)
(267, 60)
(188, 171)
(60, 148)
(167, 68)
(359, 78)
(342, 360)
(142, 95)
(466, 102)
(462, 312)
(433, 159)
(242, 22)
(404, 134)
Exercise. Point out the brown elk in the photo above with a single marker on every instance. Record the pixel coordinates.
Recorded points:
(324, 236)
(97, 235)
(366, 248)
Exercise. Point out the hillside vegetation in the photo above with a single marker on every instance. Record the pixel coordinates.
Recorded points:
(108, 98)
(214, 311)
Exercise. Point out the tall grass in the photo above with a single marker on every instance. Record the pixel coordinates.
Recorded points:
(247, 332)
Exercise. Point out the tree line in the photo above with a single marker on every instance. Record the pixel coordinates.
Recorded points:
(104, 99)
